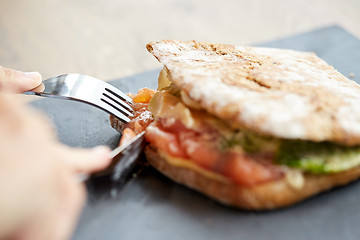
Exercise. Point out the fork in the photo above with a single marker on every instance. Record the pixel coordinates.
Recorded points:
(86, 89)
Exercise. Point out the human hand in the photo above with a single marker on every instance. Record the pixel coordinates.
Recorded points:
(17, 81)
(40, 196)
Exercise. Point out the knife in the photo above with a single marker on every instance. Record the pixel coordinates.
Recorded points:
(124, 159)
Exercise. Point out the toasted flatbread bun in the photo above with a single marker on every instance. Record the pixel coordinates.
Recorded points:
(281, 93)
(266, 196)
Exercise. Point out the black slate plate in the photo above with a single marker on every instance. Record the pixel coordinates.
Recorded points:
(152, 207)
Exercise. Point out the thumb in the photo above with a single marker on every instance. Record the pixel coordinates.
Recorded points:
(87, 160)
(17, 81)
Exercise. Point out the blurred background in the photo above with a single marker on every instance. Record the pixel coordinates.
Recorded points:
(106, 39)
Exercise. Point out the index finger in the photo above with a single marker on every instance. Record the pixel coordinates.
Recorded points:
(87, 160)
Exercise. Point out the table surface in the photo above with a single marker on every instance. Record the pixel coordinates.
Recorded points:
(106, 39)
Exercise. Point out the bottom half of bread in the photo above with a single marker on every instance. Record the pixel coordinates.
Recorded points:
(265, 196)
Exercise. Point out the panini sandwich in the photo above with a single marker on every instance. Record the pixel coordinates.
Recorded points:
(255, 128)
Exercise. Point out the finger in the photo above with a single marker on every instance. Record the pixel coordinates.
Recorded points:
(87, 161)
(39, 88)
(17, 81)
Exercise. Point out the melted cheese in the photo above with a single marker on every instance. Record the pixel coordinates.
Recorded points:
(295, 178)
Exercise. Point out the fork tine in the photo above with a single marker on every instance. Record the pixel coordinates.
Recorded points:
(116, 92)
(119, 105)
(113, 110)
(118, 99)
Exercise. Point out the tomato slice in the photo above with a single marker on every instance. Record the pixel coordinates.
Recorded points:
(168, 142)
(200, 152)
(241, 168)
(247, 171)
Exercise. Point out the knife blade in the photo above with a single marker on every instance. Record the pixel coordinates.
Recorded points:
(124, 159)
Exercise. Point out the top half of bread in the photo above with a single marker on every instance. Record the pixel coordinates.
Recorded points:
(282, 93)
